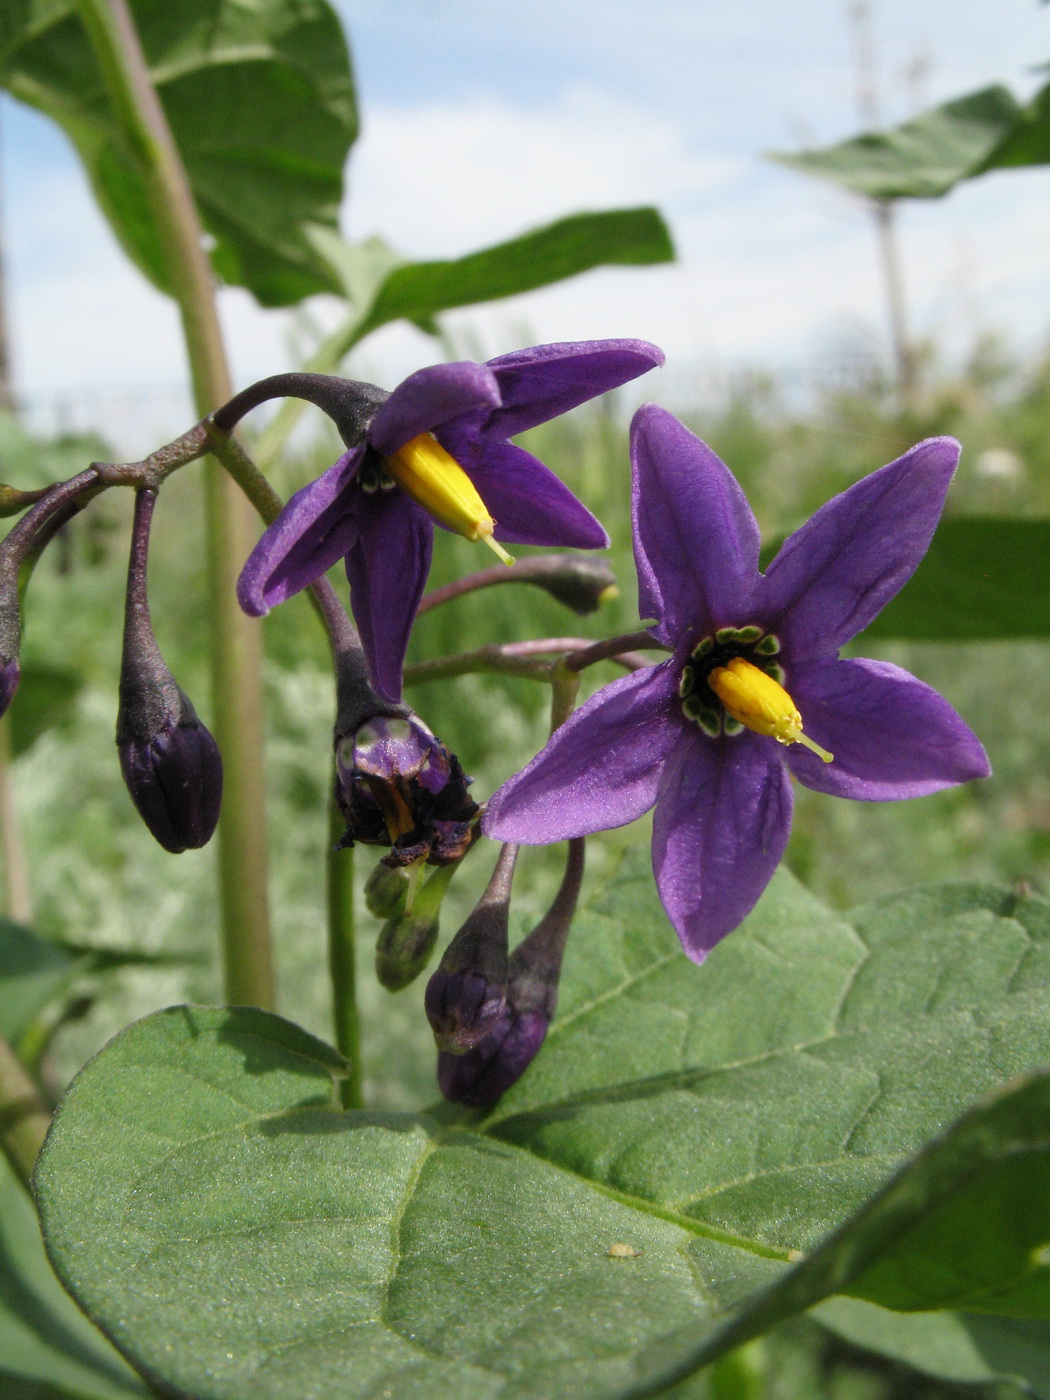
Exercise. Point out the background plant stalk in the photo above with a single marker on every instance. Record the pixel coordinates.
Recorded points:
(236, 639)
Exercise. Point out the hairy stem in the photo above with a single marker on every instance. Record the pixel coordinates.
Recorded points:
(24, 1118)
(520, 659)
(341, 955)
(614, 648)
(236, 640)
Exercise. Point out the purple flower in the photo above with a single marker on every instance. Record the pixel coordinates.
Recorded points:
(360, 508)
(709, 736)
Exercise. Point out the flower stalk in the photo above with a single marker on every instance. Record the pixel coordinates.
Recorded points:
(342, 954)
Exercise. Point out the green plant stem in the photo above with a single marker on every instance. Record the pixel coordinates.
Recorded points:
(236, 639)
(24, 1118)
(342, 954)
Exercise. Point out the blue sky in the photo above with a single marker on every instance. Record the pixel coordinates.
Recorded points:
(482, 117)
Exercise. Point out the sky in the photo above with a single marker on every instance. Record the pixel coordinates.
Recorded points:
(484, 117)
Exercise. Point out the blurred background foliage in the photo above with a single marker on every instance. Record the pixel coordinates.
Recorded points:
(98, 878)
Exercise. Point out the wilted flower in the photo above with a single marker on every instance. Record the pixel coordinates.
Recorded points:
(436, 449)
(710, 735)
(398, 786)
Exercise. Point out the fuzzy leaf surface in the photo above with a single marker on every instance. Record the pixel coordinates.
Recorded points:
(758, 1129)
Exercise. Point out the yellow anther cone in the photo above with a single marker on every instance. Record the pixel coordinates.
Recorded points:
(760, 703)
(434, 478)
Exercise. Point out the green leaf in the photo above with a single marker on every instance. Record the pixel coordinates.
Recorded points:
(38, 974)
(47, 1347)
(382, 286)
(921, 159)
(237, 1235)
(1028, 140)
(982, 579)
(33, 973)
(261, 104)
(44, 700)
(954, 1346)
(613, 237)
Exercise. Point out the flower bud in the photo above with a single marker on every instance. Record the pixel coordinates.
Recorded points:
(174, 773)
(386, 891)
(406, 941)
(579, 583)
(170, 762)
(466, 995)
(487, 1070)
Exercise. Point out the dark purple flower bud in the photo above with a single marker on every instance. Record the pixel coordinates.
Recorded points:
(466, 995)
(482, 1075)
(170, 762)
(174, 776)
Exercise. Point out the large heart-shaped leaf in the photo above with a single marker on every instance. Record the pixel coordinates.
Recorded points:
(260, 101)
(237, 1235)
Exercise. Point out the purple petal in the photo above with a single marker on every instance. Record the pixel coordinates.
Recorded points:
(892, 735)
(844, 565)
(316, 527)
(387, 569)
(721, 824)
(545, 380)
(696, 540)
(429, 398)
(529, 504)
(601, 768)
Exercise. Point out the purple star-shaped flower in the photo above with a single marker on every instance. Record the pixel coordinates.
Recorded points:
(663, 737)
(357, 511)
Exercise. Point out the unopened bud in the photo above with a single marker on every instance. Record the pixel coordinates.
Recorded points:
(170, 762)
(386, 891)
(579, 583)
(466, 995)
(174, 776)
(406, 941)
(487, 1070)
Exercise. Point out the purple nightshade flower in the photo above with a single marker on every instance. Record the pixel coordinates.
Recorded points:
(437, 448)
(709, 736)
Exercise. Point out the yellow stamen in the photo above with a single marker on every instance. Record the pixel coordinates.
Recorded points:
(435, 479)
(761, 703)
